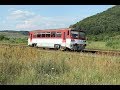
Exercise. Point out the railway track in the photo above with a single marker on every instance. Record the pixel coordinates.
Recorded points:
(94, 51)
(105, 52)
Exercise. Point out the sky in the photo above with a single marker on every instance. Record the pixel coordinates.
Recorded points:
(34, 17)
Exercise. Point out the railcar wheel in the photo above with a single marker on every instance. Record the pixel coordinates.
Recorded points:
(56, 46)
(34, 44)
(62, 48)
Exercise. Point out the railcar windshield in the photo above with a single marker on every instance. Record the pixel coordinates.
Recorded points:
(82, 35)
(78, 34)
(74, 34)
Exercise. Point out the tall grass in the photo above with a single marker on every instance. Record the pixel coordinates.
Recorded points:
(26, 65)
(113, 43)
(104, 45)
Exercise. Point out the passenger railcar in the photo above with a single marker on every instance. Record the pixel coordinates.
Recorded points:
(65, 38)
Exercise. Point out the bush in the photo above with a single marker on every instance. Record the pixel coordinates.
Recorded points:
(2, 37)
(18, 40)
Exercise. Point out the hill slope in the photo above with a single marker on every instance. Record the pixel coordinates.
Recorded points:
(102, 25)
(14, 34)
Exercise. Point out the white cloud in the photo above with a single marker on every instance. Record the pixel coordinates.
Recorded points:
(20, 14)
(11, 9)
(26, 20)
(41, 22)
(27, 24)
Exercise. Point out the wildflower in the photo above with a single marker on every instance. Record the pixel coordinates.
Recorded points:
(52, 68)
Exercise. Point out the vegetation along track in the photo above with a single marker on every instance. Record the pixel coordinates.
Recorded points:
(105, 52)
(94, 51)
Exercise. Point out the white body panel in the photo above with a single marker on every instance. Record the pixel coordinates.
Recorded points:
(49, 42)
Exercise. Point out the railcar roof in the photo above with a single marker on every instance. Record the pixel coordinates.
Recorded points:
(54, 29)
(51, 29)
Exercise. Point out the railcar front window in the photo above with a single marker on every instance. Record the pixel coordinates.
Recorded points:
(74, 34)
(78, 35)
(82, 35)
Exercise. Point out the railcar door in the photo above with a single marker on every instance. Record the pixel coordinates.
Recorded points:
(64, 37)
(30, 36)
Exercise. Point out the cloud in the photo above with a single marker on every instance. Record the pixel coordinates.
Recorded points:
(26, 25)
(26, 20)
(11, 9)
(20, 14)
(41, 22)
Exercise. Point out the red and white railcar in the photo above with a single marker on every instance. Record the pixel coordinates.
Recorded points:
(65, 38)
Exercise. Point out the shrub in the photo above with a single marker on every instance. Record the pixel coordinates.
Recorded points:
(2, 37)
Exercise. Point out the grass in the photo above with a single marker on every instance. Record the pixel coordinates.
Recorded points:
(96, 45)
(26, 65)
(104, 45)
(108, 43)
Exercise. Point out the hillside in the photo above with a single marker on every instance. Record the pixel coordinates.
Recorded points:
(14, 34)
(102, 25)
(13, 37)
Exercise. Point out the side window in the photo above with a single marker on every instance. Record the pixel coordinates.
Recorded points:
(38, 35)
(43, 34)
(53, 34)
(58, 34)
(48, 34)
(34, 35)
